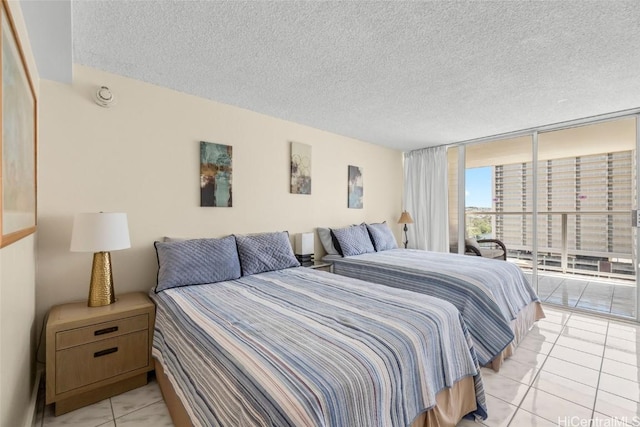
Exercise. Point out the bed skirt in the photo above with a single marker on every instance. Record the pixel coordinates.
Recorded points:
(520, 326)
(452, 403)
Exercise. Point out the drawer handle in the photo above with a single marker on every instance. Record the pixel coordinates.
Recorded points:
(105, 352)
(106, 330)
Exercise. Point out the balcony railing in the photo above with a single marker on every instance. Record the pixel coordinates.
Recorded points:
(595, 243)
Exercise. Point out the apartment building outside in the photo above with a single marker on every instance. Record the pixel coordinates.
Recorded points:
(584, 206)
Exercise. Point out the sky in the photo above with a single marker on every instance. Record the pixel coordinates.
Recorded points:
(478, 187)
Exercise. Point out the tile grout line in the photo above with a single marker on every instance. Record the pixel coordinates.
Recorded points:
(595, 399)
(113, 415)
(631, 309)
(581, 294)
(554, 289)
(139, 409)
(613, 292)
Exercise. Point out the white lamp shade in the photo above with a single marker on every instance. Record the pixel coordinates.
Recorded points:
(100, 232)
(304, 244)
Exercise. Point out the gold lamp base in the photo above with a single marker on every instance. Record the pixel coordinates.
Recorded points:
(101, 288)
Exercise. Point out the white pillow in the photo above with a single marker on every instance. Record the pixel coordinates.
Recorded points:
(327, 241)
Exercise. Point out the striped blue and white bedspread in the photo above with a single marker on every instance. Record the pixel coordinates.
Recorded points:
(300, 347)
(489, 293)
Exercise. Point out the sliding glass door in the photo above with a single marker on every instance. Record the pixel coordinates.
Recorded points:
(561, 201)
(586, 187)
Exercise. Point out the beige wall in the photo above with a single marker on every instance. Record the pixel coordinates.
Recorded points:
(17, 331)
(141, 157)
(17, 301)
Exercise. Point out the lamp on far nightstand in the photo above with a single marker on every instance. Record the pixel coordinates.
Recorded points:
(305, 248)
(405, 219)
(100, 233)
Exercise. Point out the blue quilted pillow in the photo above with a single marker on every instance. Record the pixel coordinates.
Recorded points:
(353, 240)
(196, 262)
(265, 252)
(382, 237)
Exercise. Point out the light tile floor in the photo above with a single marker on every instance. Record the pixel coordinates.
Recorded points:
(604, 296)
(570, 369)
(142, 407)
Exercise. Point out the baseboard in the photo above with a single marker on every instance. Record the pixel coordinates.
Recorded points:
(32, 410)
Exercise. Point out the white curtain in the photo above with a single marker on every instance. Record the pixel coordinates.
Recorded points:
(426, 198)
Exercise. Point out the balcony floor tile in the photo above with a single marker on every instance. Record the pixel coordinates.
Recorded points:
(597, 296)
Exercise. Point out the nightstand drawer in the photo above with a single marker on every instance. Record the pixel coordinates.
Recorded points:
(101, 331)
(90, 363)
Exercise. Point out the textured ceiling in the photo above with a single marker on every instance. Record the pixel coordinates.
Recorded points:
(402, 74)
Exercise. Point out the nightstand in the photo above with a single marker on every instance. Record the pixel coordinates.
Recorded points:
(324, 266)
(97, 352)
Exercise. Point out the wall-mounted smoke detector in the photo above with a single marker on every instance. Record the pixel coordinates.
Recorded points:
(104, 97)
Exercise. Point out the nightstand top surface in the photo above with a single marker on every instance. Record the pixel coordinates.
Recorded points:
(319, 264)
(76, 311)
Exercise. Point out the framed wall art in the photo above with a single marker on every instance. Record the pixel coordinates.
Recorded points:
(216, 171)
(355, 188)
(18, 140)
(300, 168)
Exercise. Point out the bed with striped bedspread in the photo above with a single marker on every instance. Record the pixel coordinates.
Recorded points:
(300, 347)
(489, 293)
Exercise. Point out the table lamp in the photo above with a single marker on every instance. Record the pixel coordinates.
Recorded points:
(304, 248)
(100, 233)
(405, 219)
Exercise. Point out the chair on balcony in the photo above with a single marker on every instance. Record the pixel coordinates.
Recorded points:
(495, 250)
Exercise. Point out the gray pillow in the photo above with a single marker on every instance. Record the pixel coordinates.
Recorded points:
(382, 237)
(196, 262)
(353, 240)
(265, 252)
(327, 242)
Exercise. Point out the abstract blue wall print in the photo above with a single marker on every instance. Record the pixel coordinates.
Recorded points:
(215, 175)
(300, 168)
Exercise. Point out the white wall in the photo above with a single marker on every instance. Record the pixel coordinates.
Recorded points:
(142, 157)
(17, 300)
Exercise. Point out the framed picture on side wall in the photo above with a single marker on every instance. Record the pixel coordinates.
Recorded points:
(300, 168)
(355, 188)
(216, 172)
(18, 140)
